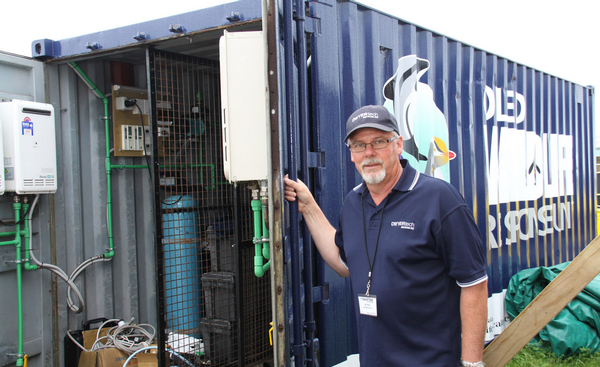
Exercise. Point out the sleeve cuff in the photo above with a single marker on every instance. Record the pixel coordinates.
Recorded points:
(343, 263)
(472, 283)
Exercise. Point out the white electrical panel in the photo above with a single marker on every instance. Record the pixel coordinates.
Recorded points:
(244, 106)
(29, 147)
(135, 138)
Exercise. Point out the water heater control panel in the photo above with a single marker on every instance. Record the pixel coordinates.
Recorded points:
(29, 147)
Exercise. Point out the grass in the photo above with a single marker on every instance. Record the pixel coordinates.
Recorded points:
(539, 357)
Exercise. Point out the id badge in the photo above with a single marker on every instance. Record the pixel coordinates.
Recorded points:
(367, 305)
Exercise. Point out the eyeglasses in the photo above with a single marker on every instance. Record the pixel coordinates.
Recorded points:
(377, 144)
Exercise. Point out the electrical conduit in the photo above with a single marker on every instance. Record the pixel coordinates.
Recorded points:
(99, 94)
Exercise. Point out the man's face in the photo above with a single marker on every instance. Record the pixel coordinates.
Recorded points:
(375, 165)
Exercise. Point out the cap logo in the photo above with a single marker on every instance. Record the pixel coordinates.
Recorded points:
(366, 115)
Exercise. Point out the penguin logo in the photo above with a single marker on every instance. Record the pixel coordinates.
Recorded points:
(421, 124)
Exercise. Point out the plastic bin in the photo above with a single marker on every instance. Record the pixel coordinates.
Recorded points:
(218, 292)
(219, 341)
(222, 251)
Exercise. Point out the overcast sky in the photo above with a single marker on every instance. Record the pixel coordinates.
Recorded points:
(557, 37)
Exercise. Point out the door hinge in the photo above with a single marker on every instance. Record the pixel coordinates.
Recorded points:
(320, 293)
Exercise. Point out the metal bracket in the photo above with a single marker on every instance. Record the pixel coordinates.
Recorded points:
(320, 293)
(234, 16)
(92, 46)
(316, 159)
(140, 36)
(310, 326)
(176, 28)
(311, 25)
(7, 354)
(7, 263)
(298, 349)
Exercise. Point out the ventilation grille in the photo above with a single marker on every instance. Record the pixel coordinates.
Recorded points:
(39, 182)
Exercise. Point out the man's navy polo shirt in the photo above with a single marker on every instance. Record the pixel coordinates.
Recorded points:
(429, 241)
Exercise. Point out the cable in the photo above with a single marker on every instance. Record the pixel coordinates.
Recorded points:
(125, 337)
(102, 325)
(75, 341)
(144, 137)
(81, 267)
(53, 268)
(155, 347)
(130, 338)
(56, 270)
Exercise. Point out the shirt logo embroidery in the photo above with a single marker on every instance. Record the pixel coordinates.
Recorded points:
(404, 225)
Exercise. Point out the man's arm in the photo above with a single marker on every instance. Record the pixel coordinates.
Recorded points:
(322, 232)
(473, 315)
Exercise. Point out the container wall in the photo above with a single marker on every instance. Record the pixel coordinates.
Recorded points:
(71, 226)
(516, 142)
(22, 78)
(123, 287)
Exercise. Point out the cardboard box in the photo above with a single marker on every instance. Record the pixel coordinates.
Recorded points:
(111, 357)
(146, 360)
(89, 337)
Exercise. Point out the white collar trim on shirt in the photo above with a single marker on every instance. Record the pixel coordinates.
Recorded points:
(415, 179)
(412, 185)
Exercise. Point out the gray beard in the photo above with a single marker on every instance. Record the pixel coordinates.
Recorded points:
(373, 178)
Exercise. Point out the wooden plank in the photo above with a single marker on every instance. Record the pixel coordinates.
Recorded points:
(572, 280)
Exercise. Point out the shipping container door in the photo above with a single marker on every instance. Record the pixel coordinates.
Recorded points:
(23, 78)
(515, 141)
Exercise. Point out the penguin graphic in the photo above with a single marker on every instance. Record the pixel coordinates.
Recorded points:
(422, 125)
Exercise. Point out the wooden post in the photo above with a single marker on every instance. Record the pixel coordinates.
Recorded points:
(572, 280)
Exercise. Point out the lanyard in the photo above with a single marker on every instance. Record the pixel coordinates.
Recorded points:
(371, 264)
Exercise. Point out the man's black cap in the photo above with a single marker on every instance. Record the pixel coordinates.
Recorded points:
(377, 117)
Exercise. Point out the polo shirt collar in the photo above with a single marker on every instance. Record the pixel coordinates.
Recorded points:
(408, 180)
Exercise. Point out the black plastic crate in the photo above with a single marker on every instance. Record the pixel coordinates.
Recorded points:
(222, 250)
(218, 292)
(219, 341)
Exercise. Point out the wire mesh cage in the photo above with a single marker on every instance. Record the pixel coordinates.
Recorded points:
(210, 302)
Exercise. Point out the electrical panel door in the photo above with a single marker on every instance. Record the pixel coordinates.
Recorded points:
(244, 102)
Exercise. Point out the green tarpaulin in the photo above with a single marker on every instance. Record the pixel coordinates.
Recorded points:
(577, 326)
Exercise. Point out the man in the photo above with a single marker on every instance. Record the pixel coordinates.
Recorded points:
(412, 250)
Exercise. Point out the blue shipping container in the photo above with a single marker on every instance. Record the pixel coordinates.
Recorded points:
(516, 142)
